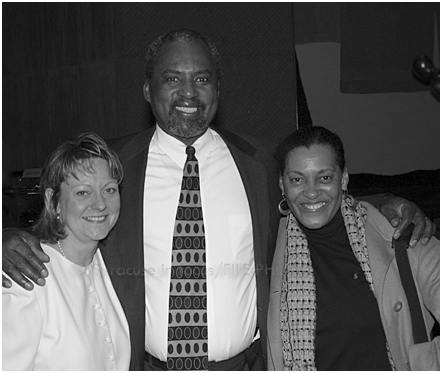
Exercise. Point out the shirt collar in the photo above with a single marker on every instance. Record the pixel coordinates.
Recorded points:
(176, 150)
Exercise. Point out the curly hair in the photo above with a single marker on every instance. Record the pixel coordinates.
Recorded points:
(68, 159)
(153, 52)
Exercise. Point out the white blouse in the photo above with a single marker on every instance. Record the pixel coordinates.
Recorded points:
(74, 322)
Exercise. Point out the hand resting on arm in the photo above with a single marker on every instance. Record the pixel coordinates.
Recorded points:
(22, 256)
(401, 212)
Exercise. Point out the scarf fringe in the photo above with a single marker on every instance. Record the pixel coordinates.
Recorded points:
(298, 296)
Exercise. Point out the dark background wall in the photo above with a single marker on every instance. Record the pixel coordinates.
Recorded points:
(75, 67)
(69, 68)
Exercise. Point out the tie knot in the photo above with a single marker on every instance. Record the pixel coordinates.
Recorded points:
(190, 150)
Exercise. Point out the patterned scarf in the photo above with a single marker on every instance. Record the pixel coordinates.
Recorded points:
(298, 298)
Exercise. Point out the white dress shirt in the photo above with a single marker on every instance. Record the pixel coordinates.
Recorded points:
(231, 284)
(74, 322)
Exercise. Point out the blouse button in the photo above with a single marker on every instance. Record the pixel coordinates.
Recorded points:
(102, 323)
(88, 271)
(91, 289)
(111, 357)
(398, 306)
(108, 339)
(97, 306)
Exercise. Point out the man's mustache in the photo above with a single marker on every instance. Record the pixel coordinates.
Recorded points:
(194, 101)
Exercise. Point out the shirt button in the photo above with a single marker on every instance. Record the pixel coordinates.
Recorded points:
(102, 323)
(88, 271)
(111, 358)
(398, 306)
(91, 289)
(97, 306)
(108, 339)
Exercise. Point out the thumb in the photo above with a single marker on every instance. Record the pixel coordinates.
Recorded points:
(392, 214)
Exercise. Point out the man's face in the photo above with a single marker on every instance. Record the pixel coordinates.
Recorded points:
(183, 93)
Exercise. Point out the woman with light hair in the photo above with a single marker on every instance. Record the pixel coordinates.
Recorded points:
(76, 321)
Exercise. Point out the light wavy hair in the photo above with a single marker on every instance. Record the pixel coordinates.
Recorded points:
(67, 160)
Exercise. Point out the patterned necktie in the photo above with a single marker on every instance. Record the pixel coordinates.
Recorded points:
(187, 332)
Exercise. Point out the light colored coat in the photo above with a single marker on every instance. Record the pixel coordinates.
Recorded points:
(392, 301)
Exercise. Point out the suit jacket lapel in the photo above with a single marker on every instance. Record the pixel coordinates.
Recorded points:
(254, 176)
(133, 156)
(129, 249)
(126, 253)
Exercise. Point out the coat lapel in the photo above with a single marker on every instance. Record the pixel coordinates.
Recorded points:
(274, 341)
(380, 255)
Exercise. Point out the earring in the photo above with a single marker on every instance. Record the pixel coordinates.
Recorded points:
(283, 206)
(347, 199)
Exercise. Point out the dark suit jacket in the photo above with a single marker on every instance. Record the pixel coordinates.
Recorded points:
(123, 252)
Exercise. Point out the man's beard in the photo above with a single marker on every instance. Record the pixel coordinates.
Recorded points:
(186, 128)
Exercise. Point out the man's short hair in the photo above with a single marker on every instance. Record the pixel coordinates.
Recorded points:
(151, 56)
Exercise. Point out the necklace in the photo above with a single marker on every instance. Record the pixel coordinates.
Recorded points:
(61, 248)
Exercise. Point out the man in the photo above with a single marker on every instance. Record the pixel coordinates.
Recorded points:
(239, 194)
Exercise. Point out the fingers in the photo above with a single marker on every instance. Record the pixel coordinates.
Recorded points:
(32, 265)
(5, 282)
(17, 268)
(42, 257)
(429, 231)
(16, 276)
(405, 218)
(34, 244)
(33, 258)
(392, 213)
(21, 262)
(423, 227)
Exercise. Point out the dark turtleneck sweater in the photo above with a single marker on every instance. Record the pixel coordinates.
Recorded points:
(349, 331)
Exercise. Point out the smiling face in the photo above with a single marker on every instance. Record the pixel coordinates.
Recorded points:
(89, 206)
(183, 92)
(313, 183)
